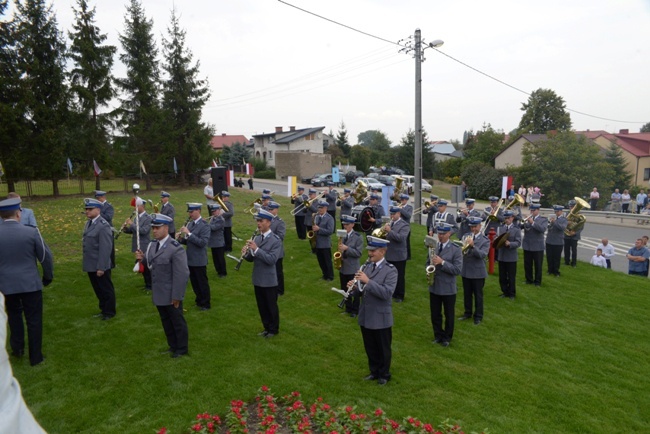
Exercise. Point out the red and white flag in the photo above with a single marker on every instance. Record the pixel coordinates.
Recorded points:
(97, 169)
(214, 163)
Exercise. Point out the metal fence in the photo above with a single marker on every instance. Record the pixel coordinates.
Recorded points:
(72, 186)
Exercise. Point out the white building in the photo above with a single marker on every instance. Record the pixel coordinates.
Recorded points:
(303, 140)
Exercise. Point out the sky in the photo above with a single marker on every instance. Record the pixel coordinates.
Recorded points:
(269, 64)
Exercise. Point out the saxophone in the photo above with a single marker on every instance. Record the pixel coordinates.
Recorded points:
(431, 244)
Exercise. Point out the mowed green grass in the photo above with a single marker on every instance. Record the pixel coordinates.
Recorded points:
(569, 357)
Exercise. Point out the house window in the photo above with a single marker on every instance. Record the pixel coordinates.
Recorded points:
(326, 143)
(270, 155)
(646, 174)
(310, 136)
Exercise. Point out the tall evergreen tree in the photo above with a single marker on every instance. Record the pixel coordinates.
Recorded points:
(92, 85)
(621, 177)
(13, 128)
(484, 145)
(404, 154)
(184, 95)
(342, 140)
(41, 64)
(140, 115)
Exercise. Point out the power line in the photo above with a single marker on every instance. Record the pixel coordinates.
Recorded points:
(455, 60)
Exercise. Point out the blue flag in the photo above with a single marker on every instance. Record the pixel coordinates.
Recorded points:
(69, 166)
(175, 166)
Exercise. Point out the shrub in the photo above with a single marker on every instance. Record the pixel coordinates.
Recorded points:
(265, 174)
(482, 180)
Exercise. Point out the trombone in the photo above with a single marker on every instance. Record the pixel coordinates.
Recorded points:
(426, 205)
(305, 204)
(252, 209)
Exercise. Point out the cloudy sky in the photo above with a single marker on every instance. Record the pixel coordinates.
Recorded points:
(270, 64)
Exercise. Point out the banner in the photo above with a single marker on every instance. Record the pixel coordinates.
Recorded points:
(142, 167)
(69, 166)
(175, 166)
(98, 171)
(505, 185)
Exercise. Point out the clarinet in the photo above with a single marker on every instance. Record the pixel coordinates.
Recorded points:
(245, 251)
(180, 235)
(354, 285)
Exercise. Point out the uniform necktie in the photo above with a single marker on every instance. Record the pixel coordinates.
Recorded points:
(157, 246)
(440, 248)
(374, 266)
(90, 222)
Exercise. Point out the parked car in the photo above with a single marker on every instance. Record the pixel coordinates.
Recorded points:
(322, 180)
(409, 180)
(370, 182)
(307, 179)
(386, 179)
(352, 175)
(373, 175)
(426, 186)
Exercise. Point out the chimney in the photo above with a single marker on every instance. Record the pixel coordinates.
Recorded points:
(223, 134)
(278, 129)
(552, 133)
(292, 128)
(625, 131)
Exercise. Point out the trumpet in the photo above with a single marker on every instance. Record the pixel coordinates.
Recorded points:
(117, 235)
(305, 204)
(180, 235)
(381, 231)
(426, 205)
(352, 286)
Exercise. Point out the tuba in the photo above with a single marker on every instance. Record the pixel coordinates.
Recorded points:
(576, 221)
(400, 186)
(221, 203)
(517, 201)
(360, 192)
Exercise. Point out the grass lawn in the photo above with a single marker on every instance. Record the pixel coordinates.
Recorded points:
(571, 356)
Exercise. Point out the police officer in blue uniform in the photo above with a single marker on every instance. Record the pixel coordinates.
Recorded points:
(196, 236)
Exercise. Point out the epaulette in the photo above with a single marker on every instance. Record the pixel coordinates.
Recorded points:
(389, 265)
(175, 243)
(102, 221)
(277, 237)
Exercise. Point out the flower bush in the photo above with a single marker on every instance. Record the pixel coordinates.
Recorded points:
(290, 414)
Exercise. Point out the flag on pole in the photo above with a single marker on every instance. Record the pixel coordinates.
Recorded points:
(69, 166)
(244, 160)
(142, 167)
(97, 169)
(175, 166)
(2, 170)
(220, 162)
(214, 163)
(339, 166)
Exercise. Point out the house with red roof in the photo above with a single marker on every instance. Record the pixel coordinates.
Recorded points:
(219, 142)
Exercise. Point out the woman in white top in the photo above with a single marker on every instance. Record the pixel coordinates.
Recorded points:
(625, 201)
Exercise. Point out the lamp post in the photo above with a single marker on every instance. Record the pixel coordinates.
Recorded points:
(418, 113)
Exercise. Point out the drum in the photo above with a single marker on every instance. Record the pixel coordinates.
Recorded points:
(363, 214)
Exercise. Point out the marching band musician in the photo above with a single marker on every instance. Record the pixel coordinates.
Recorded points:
(377, 208)
(107, 212)
(377, 283)
(265, 201)
(407, 213)
(494, 202)
(331, 197)
(533, 244)
(299, 217)
(555, 240)
(516, 211)
(168, 264)
(571, 243)
(442, 216)
(217, 243)
(168, 209)
(507, 256)
(97, 244)
(373, 190)
(448, 261)
(474, 271)
(309, 211)
(323, 228)
(143, 227)
(431, 211)
(263, 251)
(397, 232)
(347, 202)
(196, 236)
(279, 228)
(227, 215)
(350, 247)
(462, 217)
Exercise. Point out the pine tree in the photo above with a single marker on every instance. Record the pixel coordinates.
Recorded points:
(91, 84)
(41, 64)
(13, 127)
(184, 96)
(621, 178)
(342, 140)
(140, 116)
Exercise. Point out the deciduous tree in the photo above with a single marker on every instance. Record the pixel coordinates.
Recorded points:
(484, 145)
(545, 111)
(645, 128)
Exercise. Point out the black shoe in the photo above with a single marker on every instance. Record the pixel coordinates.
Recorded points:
(269, 335)
(204, 308)
(353, 315)
(18, 354)
(177, 355)
(436, 341)
(222, 276)
(464, 317)
(528, 282)
(398, 300)
(98, 315)
(106, 317)
(167, 351)
(382, 381)
(502, 295)
(512, 297)
(538, 284)
(477, 321)
(444, 343)
(263, 334)
(37, 363)
(369, 377)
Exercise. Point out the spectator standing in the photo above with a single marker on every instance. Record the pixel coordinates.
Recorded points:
(250, 182)
(616, 201)
(598, 259)
(523, 193)
(625, 201)
(208, 192)
(593, 199)
(608, 251)
(637, 257)
(641, 201)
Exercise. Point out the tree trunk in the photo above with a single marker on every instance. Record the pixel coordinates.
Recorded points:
(55, 187)
(97, 183)
(11, 185)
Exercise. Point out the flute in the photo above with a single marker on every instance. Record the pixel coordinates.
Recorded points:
(353, 285)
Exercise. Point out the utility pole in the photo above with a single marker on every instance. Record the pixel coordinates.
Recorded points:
(418, 50)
